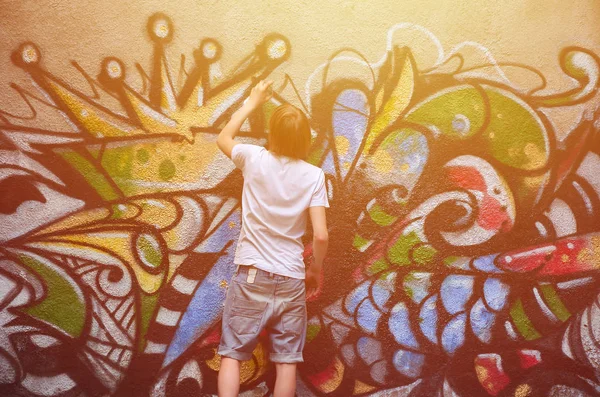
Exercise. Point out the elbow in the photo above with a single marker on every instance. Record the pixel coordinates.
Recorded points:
(222, 145)
(220, 142)
(322, 237)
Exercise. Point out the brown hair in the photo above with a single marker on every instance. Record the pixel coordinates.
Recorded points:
(289, 132)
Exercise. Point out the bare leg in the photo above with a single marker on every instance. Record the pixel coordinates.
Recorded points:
(229, 377)
(285, 383)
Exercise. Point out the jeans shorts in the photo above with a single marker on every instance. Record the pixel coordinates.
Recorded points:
(258, 300)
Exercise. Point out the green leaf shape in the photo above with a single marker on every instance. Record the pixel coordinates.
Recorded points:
(378, 266)
(118, 161)
(522, 321)
(379, 216)
(516, 135)
(554, 302)
(149, 250)
(312, 331)
(399, 253)
(89, 171)
(456, 112)
(147, 305)
(63, 306)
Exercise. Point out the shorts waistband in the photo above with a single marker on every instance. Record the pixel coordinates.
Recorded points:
(245, 268)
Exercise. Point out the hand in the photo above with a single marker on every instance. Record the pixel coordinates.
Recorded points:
(261, 93)
(313, 282)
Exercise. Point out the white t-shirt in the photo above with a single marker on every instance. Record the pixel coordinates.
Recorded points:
(276, 196)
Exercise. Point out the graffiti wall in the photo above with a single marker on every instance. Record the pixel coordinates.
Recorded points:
(461, 145)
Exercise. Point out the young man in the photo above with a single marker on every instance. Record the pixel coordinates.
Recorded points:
(270, 286)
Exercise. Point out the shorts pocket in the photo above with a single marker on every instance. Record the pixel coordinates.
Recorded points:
(294, 317)
(246, 316)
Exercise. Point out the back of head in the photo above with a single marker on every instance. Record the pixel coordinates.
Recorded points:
(289, 132)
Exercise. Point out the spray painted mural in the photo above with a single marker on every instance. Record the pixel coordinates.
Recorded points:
(467, 238)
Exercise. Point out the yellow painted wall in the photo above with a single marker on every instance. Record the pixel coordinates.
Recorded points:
(526, 31)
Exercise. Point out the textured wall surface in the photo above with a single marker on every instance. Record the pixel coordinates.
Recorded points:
(461, 146)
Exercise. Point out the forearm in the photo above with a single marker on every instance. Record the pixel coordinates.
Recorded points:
(319, 251)
(235, 123)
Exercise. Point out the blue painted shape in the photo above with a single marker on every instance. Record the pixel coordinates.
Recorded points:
(400, 327)
(337, 311)
(356, 296)
(486, 264)
(428, 319)
(416, 285)
(368, 316)
(495, 293)
(379, 372)
(348, 354)
(409, 364)
(456, 291)
(347, 121)
(206, 307)
(369, 350)
(228, 231)
(382, 290)
(453, 336)
(407, 147)
(339, 332)
(482, 321)
(418, 159)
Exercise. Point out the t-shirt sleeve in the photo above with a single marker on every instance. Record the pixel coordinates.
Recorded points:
(319, 198)
(241, 153)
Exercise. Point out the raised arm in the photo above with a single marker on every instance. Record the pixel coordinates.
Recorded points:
(260, 94)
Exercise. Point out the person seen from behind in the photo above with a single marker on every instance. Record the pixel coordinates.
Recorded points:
(270, 286)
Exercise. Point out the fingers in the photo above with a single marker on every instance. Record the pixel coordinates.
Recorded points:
(264, 85)
(261, 92)
(312, 289)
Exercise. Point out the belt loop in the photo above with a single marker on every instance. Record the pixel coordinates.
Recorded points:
(237, 269)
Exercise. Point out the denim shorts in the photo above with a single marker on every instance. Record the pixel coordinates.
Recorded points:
(258, 300)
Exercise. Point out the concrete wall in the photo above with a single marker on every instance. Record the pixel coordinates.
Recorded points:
(460, 141)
